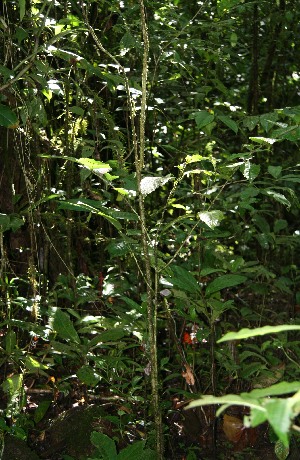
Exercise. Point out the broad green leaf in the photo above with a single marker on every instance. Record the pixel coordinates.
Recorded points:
(247, 333)
(13, 384)
(250, 170)
(61, 323)
(251, 122)
(7, 117)
(77, 110)
(194, 158)
(224, 281)
(41, 410)
(275, 171)
(128, 41)
(203, 118)
(278, 389)
(88, 376)
(4, 222)
(229, 122)
(149, 184)
(280, 224)
(112, 335)
(33, 364)
(133, 451)
(105, 445)
(211, 218)
(97, 167)
(267, 120)
(184, 280)
(279, 414)
(63, 348)
(278, 197)
(22, 5)
(10, 341)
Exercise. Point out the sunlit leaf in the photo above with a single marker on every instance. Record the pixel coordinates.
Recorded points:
(263, 140)
(211, 218)
(247, 333)
(250, 170)
(149, 184)
(279, 197)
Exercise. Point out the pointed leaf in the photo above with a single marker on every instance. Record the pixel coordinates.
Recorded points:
(62, 324)
(275, 171)
(211, 218)
(105, 445)
(224, 281)
(229, 122)
(184, 280)
(203, 118)
(133, 451)
(7, 117)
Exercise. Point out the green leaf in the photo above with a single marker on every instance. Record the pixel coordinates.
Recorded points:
(7, 117)
(250, 170)
(251, 122)
(247, 333)
(41, 410)
(97, 167)
(277, 389)
(268, 120)
(203, 118)
(83, 206)
(279, 414)
(12, 385)
(224, 281)
(4, 222)
(211, 218)
(278, 197)
(61, 323)
(133, 451)
(227, 400)
(275, 171)
(281, 451)
(280, 224)
(33, 364)
(22, 4)
(88, 376)
(112, 335)
(229, 122)
(10, 341)
(149, 184)
(263, 140)
(184, 280)
(105, 445)
(77, 110)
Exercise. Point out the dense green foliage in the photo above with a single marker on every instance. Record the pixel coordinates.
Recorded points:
(149, 205)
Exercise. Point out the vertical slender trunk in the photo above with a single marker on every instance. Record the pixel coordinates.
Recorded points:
(150, 281)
